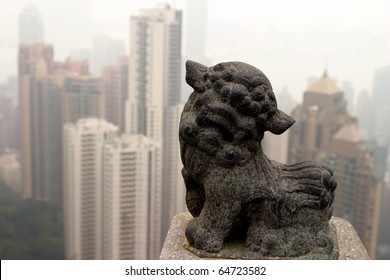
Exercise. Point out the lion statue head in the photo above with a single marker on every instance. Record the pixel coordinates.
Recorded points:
(232, 105)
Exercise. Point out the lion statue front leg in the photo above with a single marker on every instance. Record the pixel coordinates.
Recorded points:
(221, 208)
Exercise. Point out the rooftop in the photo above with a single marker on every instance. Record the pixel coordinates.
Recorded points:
(324, 85)
(349, 133)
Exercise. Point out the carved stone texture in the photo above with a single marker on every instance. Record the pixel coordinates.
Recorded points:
(233, 190)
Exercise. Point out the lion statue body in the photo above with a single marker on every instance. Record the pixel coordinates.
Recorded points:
(285, 208)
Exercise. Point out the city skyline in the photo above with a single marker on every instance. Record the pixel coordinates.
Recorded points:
(140, 92)
(276, 36)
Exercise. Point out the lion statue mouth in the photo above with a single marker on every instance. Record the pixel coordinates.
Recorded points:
(228, 178)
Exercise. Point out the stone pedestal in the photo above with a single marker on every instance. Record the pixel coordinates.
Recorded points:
(349, 244)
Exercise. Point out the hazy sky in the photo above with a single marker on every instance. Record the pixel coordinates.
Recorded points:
(289, 40)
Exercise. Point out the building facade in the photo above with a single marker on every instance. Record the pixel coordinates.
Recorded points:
(380, 111)
(82, 197)
(318, 119)
(154, 69)
(115, 90)
(35, 62)
(131, 198)
(359, 188)
(50, 94)
(82, 97)
(174, 198)
(154, 89)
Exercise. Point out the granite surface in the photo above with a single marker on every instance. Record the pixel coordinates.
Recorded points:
(176, 246)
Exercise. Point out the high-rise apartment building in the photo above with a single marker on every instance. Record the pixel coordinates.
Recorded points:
(154, 87)
(173, 199)
(71, 67)
(30, 26)
(324, 131)
(112, 193)
(82, 97)
(154, 69)
(358, 195)
(83, 178)
(115, 90)
(35, 62)
(131, 198)
(50, 95)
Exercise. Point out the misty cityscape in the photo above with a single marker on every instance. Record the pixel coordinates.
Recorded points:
(91, 96)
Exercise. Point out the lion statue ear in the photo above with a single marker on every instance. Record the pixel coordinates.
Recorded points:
(195, 75)
(279, 122)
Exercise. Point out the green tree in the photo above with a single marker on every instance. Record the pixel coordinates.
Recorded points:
(29, 229)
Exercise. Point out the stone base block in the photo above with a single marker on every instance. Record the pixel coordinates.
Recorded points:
(349, 245)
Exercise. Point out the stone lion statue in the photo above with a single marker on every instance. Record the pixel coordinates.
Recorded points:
(285, 209)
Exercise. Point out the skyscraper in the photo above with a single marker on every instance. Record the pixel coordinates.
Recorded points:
(380, 101)
(50, 94)
(82, 201)
(322, 114)
(174, 198)
(82, 97)
(324, 131)
(30, 26)
(364, 112)
(154, 87)
(131, 198)
(359, 189)
(115, 90)
(35, 62)
(154, 69)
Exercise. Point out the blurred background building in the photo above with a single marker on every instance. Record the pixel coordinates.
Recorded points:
(83, 194)
(326, 132)
(50, 95)
(154, 91)
(380, 114)
(31, 28)
(131, 198)
(105, 51)
(115, 89)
